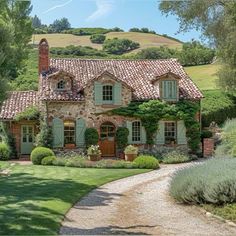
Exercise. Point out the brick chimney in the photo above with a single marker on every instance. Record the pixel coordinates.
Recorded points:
(43, 56)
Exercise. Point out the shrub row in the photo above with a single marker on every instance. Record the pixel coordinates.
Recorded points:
(212, 182)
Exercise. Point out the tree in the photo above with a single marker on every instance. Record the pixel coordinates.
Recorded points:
(36, 22)
(98, 38)
(217, 21)
(59, 25)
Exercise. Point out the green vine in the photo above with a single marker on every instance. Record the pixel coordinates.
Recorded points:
(30, 113)
(151, 112)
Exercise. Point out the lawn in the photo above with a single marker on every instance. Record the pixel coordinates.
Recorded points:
(34, 199)
(145, 40)
(205, 76)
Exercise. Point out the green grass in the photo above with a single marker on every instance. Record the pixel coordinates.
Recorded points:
(227, 211)
(145, 40)
(205, 76)
(34, 199)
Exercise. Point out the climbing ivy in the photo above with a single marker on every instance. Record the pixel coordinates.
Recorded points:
(154, 110)
(30, 113)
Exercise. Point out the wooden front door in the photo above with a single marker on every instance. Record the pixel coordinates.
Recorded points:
(27, 139)
(107, 139)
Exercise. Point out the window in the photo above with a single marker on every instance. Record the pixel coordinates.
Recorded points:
(169, 89)
(136, 131)
(69, 132)
(107, 93)
(61, 85)
(170, 132)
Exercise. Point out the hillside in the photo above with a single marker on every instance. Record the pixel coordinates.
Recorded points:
(145, 40)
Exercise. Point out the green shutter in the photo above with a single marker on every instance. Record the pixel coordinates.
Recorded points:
(58, 132)
(143, 135)
(117, 93)
(129, 127)
(160, 138)
(164, 89)
(181, 132)
(80, 130)
(174, 89)
(98, 93)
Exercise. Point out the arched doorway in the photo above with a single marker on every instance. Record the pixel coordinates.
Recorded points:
(107, 139)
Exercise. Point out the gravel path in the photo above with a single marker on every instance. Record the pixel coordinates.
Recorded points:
(139, 205)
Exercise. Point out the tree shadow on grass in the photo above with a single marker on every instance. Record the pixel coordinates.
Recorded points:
(31, 205)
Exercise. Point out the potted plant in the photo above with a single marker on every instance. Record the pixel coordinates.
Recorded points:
(131, 153)
(94, 153)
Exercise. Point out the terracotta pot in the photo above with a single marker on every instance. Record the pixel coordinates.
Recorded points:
(95, 157)
(70, 145)
(130, 157)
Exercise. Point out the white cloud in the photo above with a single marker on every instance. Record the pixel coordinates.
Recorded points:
(104, 7)
(57, 6)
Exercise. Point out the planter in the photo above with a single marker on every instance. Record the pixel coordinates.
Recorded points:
(95, 157)
(130, 157)
(121, 155)
(70, 145)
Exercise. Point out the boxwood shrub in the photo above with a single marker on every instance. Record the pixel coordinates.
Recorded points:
(4, 152)
(146, 162)
(213, 181)
(48, 160)
(39, 153)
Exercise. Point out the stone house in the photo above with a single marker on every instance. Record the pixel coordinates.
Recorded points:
(73, 93)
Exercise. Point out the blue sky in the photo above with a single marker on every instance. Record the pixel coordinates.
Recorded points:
(111, 13)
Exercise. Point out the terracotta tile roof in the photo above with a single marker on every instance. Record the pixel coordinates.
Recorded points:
(138, 74)
(17, 102)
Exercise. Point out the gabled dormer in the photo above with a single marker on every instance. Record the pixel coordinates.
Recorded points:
(168, 86)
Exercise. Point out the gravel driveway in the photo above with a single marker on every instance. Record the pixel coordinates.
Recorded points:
(139, 205)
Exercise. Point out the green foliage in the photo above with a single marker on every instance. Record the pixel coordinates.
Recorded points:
(217, 106)
(122, 134)
(39, 153)
(203, 183)
(91, 137)
(77, 51)
(59, 25)
(154, 110)
(175, 157)
(142, 30)
(119, 46)
(162, 52)
(146, 162)
(44, 138)
(97, 38)
(48, 161)
(5, 152)
(30, 113)
(227, 146)
(206, 134)
(87, 31)
(94, 150)
(194, 53)
(131, 150)
(36, 22)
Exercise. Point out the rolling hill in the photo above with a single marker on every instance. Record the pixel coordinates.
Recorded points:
(145, 40)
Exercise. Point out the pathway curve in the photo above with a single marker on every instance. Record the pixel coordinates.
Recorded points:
(139, 205)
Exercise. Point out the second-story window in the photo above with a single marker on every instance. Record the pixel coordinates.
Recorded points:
(169, 90)
(107, 93)
(61, 85)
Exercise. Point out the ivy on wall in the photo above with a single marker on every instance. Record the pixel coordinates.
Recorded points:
(151, 112)
(30, 113)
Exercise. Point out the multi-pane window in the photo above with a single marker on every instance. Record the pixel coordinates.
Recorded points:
(169, 89)
(69, 132)
(136, 131)
(61, 85)
(107, 93)
(170, 132)
(27, 134)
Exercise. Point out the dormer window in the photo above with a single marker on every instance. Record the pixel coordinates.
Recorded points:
(169, 90)
(107, 93)
(61, 85)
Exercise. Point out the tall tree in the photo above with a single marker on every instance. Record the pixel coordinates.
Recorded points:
(36, 22)
(59, 25)
(217, 21)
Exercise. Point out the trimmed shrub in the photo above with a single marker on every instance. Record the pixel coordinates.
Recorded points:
(212, 182)
(39, 153)
(97, 38)
(46, 161)
(175, 157)
(206, 134)
(122, 134)
(4, 152)
(91, 137)
(146, 162)
(44, 138)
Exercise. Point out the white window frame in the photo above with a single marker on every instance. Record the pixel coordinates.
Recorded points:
(111, 90)
(174, 136)
(136, 134)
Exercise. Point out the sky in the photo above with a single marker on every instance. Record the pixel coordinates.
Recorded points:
(125, 14)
